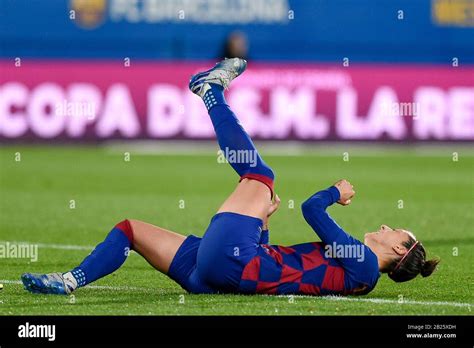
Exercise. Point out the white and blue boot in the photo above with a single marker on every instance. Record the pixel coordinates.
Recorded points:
(52, 283)
(221, 74)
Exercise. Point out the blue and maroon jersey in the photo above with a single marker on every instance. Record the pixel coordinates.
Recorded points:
(339, 264)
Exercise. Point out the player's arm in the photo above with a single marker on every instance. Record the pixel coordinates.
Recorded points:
(361, 268)
(314, 212)
(274, 205)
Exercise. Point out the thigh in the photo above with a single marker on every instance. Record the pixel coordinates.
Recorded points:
(251, 198)
(157, 245)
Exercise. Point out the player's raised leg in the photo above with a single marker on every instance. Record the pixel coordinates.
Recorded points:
(253, 194)
(157, 245)
(233, 235)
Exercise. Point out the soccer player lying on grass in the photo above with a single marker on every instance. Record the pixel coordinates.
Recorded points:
(234, 255)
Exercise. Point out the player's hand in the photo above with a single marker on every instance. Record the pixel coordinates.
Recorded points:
(274, 205)
(346, 191)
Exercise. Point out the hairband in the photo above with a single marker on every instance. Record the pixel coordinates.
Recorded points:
(404, 256)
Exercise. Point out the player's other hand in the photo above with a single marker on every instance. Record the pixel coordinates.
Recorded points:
(274, 205)
(346, 191)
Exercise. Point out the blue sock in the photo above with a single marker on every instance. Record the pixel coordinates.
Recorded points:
(232, 138)
(105, 258)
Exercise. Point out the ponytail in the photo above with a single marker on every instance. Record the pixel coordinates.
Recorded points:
(412, 263)
(429, 267)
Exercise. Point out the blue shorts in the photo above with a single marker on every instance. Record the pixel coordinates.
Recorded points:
(215, 262)
(183, 267)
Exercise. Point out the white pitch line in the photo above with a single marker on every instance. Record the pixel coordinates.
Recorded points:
(4, 281)
(99, 287)
(56, 246)
(117, 288)
(64, 246)
(326, 298)
(386, 301)
(51, 246)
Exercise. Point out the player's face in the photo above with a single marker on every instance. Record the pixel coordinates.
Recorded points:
(388, 236)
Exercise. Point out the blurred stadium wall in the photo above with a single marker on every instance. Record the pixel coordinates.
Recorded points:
(318, 70)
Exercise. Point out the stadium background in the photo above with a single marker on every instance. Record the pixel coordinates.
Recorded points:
(82, 80)
(318, 70)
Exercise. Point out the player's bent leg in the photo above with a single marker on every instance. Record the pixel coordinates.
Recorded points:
(157, 245)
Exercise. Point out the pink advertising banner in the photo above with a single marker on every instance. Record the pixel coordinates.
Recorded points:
(93, 100)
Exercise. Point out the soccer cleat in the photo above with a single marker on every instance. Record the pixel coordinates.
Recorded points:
(221, 74)
(52, 283)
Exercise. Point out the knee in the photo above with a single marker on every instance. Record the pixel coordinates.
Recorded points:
(126, 226)
(265, 179)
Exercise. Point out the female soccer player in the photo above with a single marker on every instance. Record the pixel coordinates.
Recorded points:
(234, 255)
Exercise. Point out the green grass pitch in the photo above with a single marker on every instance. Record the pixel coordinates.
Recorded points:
(35, 194)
